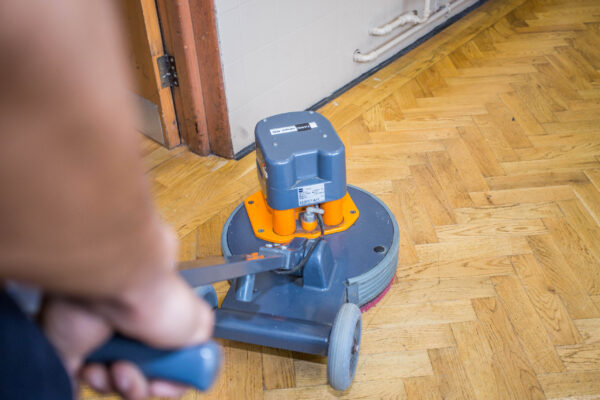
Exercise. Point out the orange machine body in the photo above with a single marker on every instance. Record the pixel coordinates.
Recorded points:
(281, 226)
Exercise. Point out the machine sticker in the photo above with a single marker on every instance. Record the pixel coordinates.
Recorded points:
(294, 128)
(311, 194)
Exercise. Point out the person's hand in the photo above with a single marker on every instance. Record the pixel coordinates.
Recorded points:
(159, 310)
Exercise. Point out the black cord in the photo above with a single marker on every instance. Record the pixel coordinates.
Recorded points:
(321, 225)
(312, 248)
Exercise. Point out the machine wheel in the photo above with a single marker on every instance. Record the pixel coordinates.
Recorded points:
(208, 294)
(344, 345)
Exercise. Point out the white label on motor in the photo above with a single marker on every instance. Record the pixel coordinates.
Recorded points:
(311, 194)
(285, 129)
(306, 126)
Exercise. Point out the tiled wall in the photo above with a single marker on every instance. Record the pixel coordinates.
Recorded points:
(285, 55)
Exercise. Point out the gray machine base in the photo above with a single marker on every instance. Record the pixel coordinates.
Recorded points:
(366, 277)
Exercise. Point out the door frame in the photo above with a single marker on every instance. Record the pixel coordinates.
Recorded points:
(189, 31)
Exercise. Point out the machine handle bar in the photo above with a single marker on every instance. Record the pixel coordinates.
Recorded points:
(196, 274)
(195, 366)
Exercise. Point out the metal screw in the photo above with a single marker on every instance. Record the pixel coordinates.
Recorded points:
(261, 230)
(352, 211)
(251, 202)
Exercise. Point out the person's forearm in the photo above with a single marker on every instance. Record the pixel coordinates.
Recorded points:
(76, 213)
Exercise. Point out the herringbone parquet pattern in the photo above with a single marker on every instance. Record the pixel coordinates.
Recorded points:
(485, 143)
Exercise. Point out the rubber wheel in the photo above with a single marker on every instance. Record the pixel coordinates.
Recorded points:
(344, 346)
(208, 294)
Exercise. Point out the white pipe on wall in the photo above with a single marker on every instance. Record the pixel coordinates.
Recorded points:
(432, 18)
(405, 18)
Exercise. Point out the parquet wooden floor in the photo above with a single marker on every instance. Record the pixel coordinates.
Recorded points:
(485, 143)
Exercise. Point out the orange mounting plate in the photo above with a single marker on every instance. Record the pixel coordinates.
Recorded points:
(261, 220)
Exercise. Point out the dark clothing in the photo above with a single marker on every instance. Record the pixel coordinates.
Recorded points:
(30, 369)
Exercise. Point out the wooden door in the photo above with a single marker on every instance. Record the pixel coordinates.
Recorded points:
(155, 99)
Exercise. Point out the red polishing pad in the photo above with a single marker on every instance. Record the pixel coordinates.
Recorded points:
(367, 306)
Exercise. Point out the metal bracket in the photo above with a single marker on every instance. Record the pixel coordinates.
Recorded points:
(167, 71)
(352, 293)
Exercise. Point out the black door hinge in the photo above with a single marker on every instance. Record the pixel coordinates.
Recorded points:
(167, 71)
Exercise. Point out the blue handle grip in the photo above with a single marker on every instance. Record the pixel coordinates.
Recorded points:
(195, 366)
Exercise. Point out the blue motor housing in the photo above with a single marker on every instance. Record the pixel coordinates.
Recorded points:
(300, 160)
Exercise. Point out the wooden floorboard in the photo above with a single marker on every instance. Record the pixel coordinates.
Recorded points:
(485, 143)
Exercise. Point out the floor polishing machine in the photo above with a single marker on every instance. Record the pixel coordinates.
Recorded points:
(303, 255)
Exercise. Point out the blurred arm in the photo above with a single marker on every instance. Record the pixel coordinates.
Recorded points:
(75, 211)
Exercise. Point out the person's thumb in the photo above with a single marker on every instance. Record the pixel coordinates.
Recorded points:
(165, 313)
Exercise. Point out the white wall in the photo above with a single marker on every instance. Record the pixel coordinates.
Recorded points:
(285, 55)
